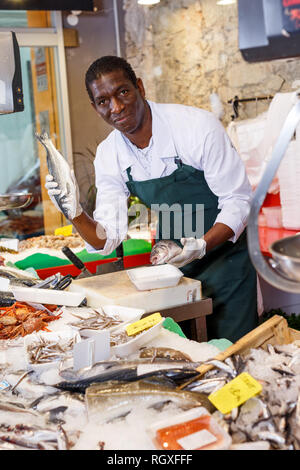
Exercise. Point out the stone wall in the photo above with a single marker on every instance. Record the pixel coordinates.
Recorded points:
(184, 50)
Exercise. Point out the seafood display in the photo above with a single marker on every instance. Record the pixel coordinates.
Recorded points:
(21, 319)
(164, 250)
(60, 170)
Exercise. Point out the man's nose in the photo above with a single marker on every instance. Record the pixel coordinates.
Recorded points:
(116, 106)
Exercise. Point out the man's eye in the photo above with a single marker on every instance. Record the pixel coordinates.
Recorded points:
(101, 102)
(123, 92)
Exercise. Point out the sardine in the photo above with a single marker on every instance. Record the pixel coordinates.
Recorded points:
(59, 168)
(164, 250)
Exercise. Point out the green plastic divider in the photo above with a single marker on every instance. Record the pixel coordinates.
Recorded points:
(171, 325)
(40, 260)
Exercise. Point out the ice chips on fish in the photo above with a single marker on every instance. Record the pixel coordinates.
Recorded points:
(59, 168)
(163, 251)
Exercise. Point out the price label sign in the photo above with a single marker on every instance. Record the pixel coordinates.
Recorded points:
(66, 230)
(235, 393)
(143, 324)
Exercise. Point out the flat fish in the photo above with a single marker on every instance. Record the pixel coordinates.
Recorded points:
(59, 168)
(164, 353)
(164, 250)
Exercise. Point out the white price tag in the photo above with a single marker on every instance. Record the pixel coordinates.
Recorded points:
(197, 440)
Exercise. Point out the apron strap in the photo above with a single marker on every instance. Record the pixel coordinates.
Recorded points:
(128, 171)
(178, 162)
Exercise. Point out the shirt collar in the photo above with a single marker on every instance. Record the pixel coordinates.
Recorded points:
(163, 142)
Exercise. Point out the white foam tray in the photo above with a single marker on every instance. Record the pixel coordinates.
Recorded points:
(155, 277)
(47, 296)
(124, 350)
(127, 315)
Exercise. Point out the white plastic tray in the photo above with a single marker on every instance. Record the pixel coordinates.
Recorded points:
(155, 277)
(127, 315)
(134, 344)
(47, 296)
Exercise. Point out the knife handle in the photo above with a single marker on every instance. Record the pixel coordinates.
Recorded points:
(73, 258)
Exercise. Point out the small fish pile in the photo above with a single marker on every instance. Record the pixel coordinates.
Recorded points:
(98, 321)
(163, 251)
(43, 351)
(26, 437)
(272, 416)
(20, 319)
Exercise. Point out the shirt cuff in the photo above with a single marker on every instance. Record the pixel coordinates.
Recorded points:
(237, 228)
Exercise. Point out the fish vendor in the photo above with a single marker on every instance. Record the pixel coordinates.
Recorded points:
(171, 155)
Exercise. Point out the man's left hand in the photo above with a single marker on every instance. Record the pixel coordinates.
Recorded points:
(193, 248)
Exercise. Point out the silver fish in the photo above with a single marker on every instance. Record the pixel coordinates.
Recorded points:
(163, 251)
(59, 168)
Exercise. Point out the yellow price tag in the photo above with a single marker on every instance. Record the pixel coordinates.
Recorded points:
(143, 324)
(236, 392)
(66, 230)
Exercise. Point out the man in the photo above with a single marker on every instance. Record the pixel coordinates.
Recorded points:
(174, 155)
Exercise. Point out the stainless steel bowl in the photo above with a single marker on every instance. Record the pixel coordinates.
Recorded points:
(15, 200)
(286, 257)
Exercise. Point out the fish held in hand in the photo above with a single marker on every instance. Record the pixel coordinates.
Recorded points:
(60, 170)
(163, 251)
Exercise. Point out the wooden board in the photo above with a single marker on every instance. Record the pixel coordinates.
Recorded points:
(116, 288)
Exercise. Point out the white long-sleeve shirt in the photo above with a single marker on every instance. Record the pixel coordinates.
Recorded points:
(194, 135)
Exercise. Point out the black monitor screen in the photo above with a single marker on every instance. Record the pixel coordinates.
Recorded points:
(86, 5)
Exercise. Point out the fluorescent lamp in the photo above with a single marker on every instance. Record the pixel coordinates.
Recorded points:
(225, 2)
(147, 2)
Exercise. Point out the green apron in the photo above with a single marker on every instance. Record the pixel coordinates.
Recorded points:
(226, 273)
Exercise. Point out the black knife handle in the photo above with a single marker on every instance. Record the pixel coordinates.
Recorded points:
(73, 258)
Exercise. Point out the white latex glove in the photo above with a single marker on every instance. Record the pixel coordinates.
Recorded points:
(69, 205)
(193, 248)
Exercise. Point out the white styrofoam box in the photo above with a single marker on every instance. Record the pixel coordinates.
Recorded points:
(124, 350)
(62, 337)
(273, 216)
(126, 314)
(288, 176)
(47, 296)
(155, 277)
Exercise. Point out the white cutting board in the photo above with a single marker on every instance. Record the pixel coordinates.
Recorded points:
(117, 289)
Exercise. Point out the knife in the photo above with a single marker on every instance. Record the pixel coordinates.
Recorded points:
(77, 262)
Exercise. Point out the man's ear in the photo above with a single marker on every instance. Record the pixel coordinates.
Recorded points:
(141, 88)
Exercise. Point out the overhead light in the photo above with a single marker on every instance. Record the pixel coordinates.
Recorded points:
(72, 19)
(225, 2)
(147, 2)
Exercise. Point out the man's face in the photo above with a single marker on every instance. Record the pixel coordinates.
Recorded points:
(118, 102)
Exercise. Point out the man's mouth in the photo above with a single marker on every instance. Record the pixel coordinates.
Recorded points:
(121, 119)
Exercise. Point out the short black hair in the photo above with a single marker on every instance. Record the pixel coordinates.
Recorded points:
(108, 64)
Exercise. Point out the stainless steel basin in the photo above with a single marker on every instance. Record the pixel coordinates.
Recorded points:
(286, 255)
(15, 200)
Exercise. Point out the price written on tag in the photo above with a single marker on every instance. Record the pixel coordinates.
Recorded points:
(143, 324)
(235, 393)
(66, 230)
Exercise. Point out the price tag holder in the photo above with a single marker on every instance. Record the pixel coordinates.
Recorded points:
(66, 230)
(235, 393)
(143, 324)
